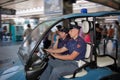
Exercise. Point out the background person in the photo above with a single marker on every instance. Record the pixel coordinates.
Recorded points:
(55, 31)
(87, 38)
(116, 36)
(104, 32)
(4, 32)
(1, 34)
(116, 30)
(110, 33)
(27, 32)
(98, 36)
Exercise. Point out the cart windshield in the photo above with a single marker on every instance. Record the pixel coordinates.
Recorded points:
(30, 42)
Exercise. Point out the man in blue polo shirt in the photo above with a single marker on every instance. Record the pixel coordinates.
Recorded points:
(65, 64)
(62, 39)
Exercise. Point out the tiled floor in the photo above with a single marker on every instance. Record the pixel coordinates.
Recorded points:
(8, 54)
(10, 43)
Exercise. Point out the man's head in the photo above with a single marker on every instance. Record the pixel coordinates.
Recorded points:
(63, 32)
(59, 27)
(116, 22)
(28, 25)
(74, 31)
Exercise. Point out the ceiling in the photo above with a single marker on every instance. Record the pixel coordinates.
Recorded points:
(20, 4)
(111, 3)
(26, 5)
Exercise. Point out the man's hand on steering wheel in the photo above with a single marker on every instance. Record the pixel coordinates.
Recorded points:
(49, 51)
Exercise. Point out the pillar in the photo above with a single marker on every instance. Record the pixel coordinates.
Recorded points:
(0, 18)
(67, 9)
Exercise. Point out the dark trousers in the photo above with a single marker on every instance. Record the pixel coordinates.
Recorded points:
(58, 68)
(1, 35)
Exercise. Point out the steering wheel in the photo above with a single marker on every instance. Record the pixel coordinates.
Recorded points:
(46, 53)
(42, 57)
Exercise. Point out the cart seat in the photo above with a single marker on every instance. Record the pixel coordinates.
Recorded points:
(80, 74)
(104, 61)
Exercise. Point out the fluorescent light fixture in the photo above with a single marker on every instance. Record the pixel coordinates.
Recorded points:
(30, 11)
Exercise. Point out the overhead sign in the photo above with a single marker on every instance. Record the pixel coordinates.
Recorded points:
(7, 11)
(53, 6)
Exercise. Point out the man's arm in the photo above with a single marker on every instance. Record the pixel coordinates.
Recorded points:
(60, 50)
(56, 43)
(67, 57)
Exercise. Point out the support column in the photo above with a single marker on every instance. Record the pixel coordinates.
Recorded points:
(67, 9)
(0, 25)
(0, 18)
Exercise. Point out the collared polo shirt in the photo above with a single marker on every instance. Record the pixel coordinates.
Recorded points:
(78, 45)
(62, 43)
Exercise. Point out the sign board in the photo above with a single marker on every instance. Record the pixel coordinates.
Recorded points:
(7, 11)
(53, 6)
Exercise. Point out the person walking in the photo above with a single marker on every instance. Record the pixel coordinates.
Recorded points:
(26, 33)
(1, 33)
